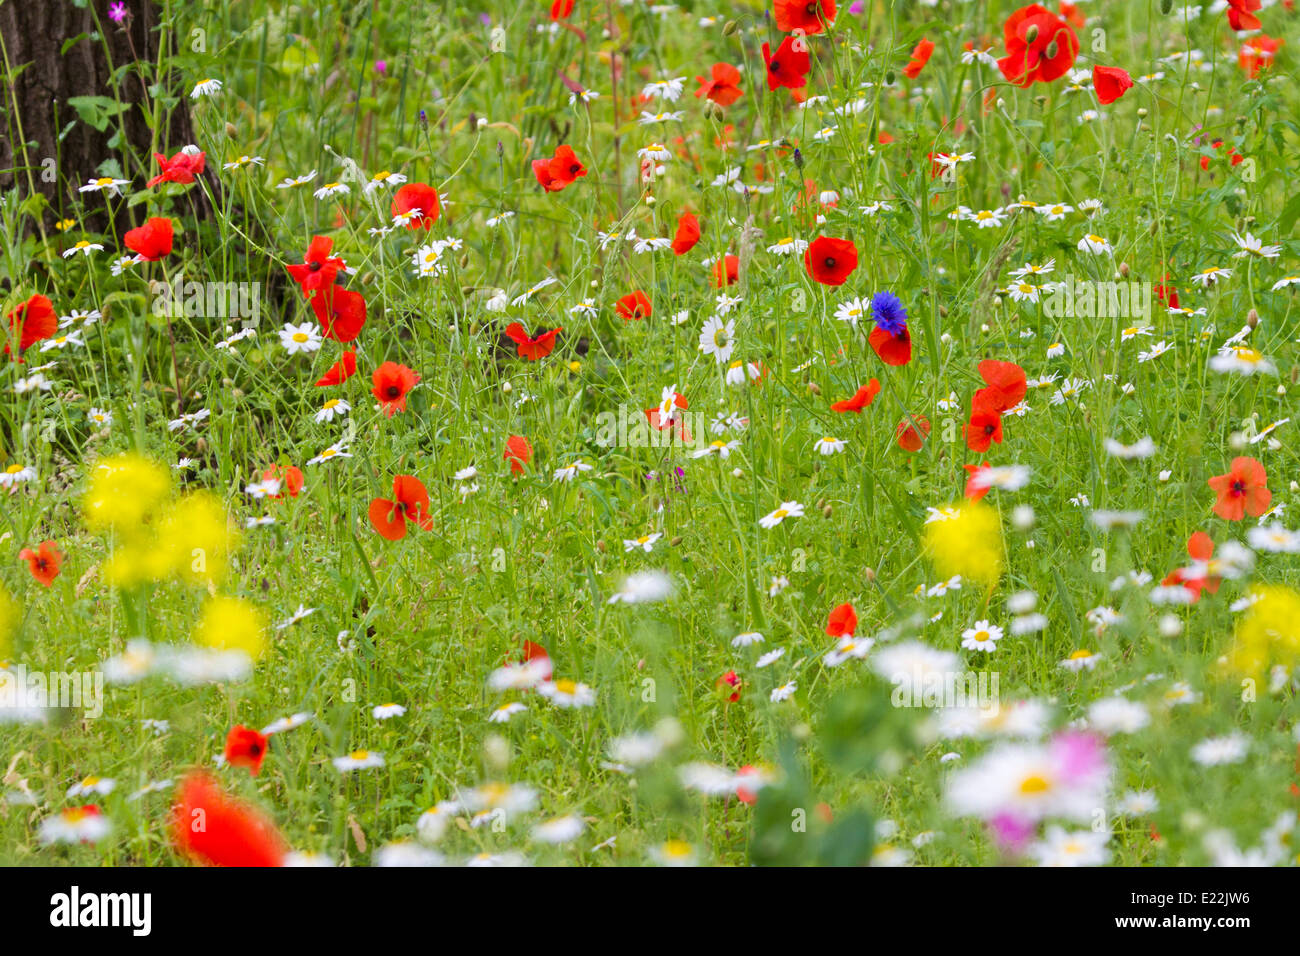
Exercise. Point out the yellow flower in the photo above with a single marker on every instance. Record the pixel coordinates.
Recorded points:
(231, 623)
(195, 539)
(9, 616)
(968, 543)
(124, 491)
(1268, 632)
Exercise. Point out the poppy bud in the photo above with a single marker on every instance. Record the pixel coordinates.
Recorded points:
(889, 78)
(943, 312)
(1032, 33)
(1252, 318)
(231, 131)
(814, 388)
(601, 546)
(1123, 270)
(675, 541)
(201, 445)
(869, 574)
(729, 28)
(1166, 6)
(827, 511)
(1052, 49)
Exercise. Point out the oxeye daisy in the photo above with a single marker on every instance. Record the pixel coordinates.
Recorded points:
(303, 338)
(502, 714)
(828, 445)
(334, 407)
(358, 760)
(209, 87)
(566, 693)
(982, 636)
(645, 542)
(788, 509)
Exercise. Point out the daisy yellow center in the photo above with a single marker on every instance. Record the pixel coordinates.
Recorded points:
(104, 181)
(331, 185)
(300, 336)
(981, 636)
(984, 214)
(382, 175)
(676, 849)
(332, 403)
(566, 686)
(359, 754)
(1080, 655)
(779, 513)
(328, 453)
(76, 814)
(13, 469)
(90, 781)
(643, 539)
(1097, 239)
(1034, 784)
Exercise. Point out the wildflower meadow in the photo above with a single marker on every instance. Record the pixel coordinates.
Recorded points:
(614, 433)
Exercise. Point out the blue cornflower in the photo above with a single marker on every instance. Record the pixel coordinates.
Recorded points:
(888, 312)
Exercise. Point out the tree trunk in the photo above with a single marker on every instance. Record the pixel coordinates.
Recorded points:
(48, 147)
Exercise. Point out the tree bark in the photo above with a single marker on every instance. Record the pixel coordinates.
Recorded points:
(48, 147)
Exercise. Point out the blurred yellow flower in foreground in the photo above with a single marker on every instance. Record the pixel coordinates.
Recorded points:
(231, 623)
(1268, 632)
(124, 492)
(9, 615)
(966, 539)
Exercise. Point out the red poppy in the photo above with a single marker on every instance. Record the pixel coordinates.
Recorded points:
(843, 621)
(863, 397)
(729, 683)
(44, 562)
(31, 322)
(340, 371)
(391, 383)
(806, 16)
(1241, 14)
(974, 492)
(984, 427)
(1041, 47)
(746, 795)
(419, 196)
(519, 452)
(723, 86)
(537, 347)
(1110, 82)
(152, 241)
(920, 57)
(726, 271)
(891, 349)
(1201, 549)
(1167, 293)
(1006, 384)
(561, 9)
(211, 828)
(688, 234)
(830, 261)
(340, 312)
(410, 501)
(1258, 53)
(290, 479)
(1073, 14)
(911, 432)
(245, 747)
(1234, 157)
(558, 171)
(789, 66)
(181, 168)
(319, 269)
(536, 653)
(1242, 491)
(657, 420)
(634, 305)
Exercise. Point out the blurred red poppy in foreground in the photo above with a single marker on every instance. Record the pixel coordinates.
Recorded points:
(726, 271)
(245, 747)
(806, 16)
(1242, 491)
(44, 562)
(410, 501)
(340, 312)
(214, 829)
(920, 57)
(1241, 14)
(531, 347)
